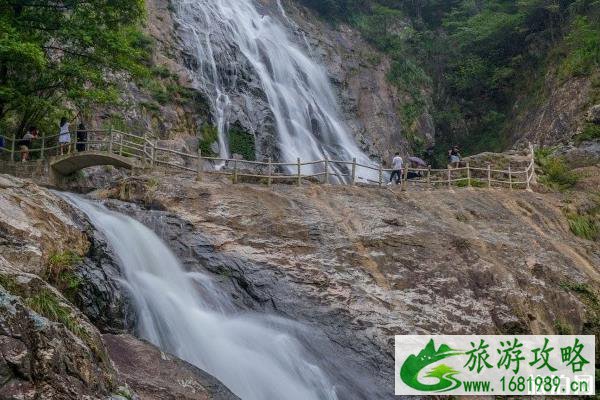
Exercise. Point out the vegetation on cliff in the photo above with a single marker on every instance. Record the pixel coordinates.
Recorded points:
(477, 56)
(59, 54)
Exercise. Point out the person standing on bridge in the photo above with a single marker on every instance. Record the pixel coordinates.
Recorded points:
(397, 163)
(64, 138)
(81, 138)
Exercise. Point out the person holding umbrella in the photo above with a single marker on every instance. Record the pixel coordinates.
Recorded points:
(415, 162)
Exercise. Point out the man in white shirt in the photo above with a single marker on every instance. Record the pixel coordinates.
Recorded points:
(397, 163)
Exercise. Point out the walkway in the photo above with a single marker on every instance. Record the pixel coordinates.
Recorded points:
(125, 150)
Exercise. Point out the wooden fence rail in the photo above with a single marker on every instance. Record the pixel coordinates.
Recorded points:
(146, 149)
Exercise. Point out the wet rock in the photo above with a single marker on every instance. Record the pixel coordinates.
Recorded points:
(154, 375)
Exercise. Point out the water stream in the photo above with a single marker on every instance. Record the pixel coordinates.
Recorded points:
(228, 37)
(184, 314)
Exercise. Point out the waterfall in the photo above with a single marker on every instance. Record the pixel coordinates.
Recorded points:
(230, 37)
(183, 313)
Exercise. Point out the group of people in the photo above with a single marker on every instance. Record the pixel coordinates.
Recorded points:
(454, 159)
(64, 139)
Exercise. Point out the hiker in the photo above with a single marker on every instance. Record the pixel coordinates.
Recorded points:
(454, 157)
(64, 138)
(81, 138)
(396, 169)
(26, 141)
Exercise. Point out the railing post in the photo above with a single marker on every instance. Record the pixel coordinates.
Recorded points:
(429, 175)
(235, 171)
(449, 177)
(489, 176)
(121, 145)
(533, 173)
(405, 178)
(153, 162)
(270, 172)
(144, 157)
(299, 172)
(468, 175)
(510, 184)
(327, 171)
(199, 165)
(110, 139)
(528, 177)
(42, 151)
(380, 174)
(353, 171)
(12, 147)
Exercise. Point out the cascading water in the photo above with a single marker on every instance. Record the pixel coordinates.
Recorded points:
(182, 313)
(299, 95)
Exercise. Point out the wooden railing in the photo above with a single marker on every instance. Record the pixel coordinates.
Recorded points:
(146, 148)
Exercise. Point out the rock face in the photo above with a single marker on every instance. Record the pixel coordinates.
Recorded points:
(557, 117)
(154, 375)
(34, 225)
(364, 264)
(48, 348)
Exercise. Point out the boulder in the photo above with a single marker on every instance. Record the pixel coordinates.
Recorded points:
(593, 114)
(154, 375)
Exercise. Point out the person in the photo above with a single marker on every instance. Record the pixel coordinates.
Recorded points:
(26, 142)
(64, 138)
(81, 137)
(396, 169)
(454, 157)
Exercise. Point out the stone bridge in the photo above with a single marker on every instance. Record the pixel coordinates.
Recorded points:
(70, 163)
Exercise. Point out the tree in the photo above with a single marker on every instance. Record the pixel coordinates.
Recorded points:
(58, 52)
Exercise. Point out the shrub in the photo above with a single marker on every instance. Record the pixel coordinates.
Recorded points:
(590, 132)
(555, 172)
(208, 135)
(60, 273)
(584, 226)
(242, 142)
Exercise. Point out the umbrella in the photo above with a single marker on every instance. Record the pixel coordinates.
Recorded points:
(417, 161)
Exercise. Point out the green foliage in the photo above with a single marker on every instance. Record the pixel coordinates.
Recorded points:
(208, 135)
(585, 226)
(583, 48)
(590, 132)
(478, 57)
(562, 328)
(242, 142)
(60, 53)
(48, 305)
(60, 272)
(555, 172)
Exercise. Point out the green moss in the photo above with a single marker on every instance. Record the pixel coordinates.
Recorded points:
(477, 183)
(208, 135)
(241, 142)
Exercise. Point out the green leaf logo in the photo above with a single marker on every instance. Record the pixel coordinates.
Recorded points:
(409, 372)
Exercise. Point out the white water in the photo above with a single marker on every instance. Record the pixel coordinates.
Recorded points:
(308, 122)
(184, 314)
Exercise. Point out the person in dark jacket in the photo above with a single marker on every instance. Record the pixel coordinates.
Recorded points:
(81, 138)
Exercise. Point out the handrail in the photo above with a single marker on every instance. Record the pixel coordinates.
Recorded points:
(146, 149)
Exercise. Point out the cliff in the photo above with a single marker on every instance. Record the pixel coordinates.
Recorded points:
(363, 264)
